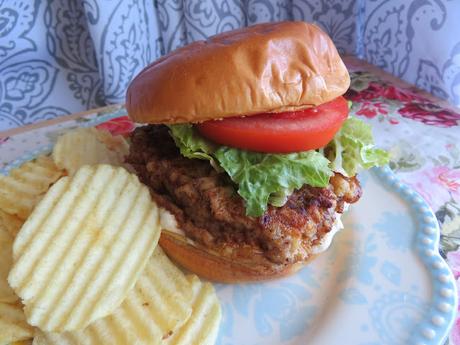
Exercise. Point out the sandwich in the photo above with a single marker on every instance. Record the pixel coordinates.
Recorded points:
(248, 145)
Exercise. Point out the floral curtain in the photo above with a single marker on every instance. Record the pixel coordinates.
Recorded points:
(64, 56)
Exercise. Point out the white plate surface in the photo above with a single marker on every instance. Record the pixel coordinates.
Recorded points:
(381, 282)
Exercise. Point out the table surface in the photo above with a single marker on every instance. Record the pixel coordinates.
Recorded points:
(421, 132)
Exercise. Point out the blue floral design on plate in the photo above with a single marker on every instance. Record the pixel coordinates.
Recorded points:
(391, 272)
(396, 229)
(394, 315)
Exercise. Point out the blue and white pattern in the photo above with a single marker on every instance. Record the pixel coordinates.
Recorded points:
(417, 40)
(64, 56)
(382, 282)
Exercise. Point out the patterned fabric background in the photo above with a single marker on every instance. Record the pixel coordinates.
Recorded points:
(64, 56)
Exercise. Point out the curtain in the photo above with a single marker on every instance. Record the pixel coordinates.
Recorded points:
(63, 56)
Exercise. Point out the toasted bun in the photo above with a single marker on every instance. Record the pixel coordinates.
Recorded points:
(270, 67)
(217, 268)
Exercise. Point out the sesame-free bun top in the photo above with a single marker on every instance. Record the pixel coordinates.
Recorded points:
(270, 67)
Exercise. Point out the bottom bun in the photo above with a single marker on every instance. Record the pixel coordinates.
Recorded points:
(221, 269)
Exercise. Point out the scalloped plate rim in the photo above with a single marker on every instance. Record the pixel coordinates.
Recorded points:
(427, 249)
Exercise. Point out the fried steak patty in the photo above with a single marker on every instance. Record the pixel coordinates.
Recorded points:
(208, 209)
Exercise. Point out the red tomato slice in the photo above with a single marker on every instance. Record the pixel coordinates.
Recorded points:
(292, 131)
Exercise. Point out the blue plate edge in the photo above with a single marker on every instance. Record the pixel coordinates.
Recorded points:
(427, 248)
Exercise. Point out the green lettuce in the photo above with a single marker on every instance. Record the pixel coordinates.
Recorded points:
(353, 148)
(266, 178)
(261, 178)
(190, 143)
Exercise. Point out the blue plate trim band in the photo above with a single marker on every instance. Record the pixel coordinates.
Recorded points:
(434, 328)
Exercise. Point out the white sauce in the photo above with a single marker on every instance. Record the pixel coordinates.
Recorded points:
(327, 239)
(168, 222)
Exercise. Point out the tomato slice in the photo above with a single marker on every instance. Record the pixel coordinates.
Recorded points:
(286, 132)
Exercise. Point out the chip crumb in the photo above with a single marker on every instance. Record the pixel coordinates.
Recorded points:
(167, 335)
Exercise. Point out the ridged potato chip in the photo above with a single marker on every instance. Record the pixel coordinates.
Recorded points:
(13, 325)
(83, 248)
(113, 142)
(7, 294)
(10, 223)
(24, 186)
(89, 146)
(159, 304)
(22, 342)
(203, 325)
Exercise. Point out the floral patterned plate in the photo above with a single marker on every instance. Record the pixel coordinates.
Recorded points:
(381, 282)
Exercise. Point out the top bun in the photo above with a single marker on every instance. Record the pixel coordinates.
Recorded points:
(270, 67)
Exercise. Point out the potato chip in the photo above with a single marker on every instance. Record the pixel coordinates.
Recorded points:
(113, 142)
(24, 187)
(7, 294)
(203, 325)
(89, 146)
(13, 325)
(22, 342)
(83, 248)
(159, 304)
(10, 223)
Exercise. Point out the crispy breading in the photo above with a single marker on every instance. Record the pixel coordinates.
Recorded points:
(209, 210)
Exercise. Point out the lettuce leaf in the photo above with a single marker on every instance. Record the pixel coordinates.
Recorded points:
(265, 178)
(261, 178)
(190, 143)
(353, 148)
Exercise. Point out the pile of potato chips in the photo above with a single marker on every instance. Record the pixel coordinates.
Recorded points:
(79, 261)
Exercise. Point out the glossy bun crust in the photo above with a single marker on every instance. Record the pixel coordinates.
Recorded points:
(219, 268)
(270, 67)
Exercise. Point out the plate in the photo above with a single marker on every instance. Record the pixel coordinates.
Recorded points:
(382, 281)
